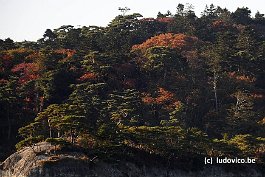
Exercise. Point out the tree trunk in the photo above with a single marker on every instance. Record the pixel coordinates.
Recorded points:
(50, 129)
(215, 77)
(50, 132)
(37, 103)
(72, 136)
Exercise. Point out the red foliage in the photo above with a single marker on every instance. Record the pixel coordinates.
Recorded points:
(10, 57)
(27, 78)
(28, 71)
(164, 98)
(25, 68)
(165, 19)
(173, 41)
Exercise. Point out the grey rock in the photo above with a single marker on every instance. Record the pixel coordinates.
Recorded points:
(37, 161)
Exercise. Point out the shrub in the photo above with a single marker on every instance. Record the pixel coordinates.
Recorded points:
(29, 141)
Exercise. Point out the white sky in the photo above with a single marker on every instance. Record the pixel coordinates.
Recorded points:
(28, 19)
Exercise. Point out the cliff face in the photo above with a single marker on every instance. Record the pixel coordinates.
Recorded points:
(39, 161)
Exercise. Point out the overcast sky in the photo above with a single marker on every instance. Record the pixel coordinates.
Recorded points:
(28, 19)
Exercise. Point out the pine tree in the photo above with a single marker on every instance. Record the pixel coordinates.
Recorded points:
(125, 107)
(242, 118)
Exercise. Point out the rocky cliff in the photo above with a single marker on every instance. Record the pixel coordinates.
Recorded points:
(41, 161)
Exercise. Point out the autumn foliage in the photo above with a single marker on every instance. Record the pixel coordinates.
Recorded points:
(28, 71)
(163, 97)
(218, 24)
(241, 77)
(87, 76)
(165, 19)
(174, 84)
(68, 52)
(170, 40)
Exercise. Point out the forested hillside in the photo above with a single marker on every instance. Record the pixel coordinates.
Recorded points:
(177, 86)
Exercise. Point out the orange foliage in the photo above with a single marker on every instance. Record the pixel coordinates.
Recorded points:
(68, 52)
(257, 95)
(174, 105)
(243, 77)
(33, 56)
(87, 76)
(147, 99)
(219, 24)
(173, 41)
(164, 98)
